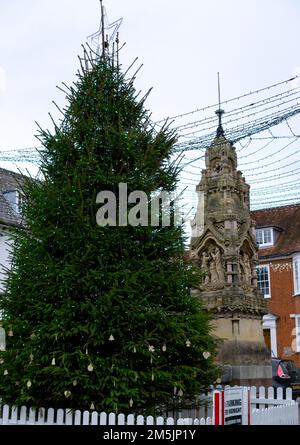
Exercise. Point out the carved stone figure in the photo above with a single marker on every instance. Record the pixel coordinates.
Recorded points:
(214, 279)
(217, 259)
(247, 272)
(205, 267)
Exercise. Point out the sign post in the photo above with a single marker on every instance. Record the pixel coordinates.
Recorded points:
(231, 406)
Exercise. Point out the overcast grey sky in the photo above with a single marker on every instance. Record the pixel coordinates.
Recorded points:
(182, 45)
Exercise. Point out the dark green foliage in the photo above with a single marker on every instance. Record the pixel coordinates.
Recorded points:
(110, 305)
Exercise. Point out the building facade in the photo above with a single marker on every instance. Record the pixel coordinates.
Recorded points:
(10, 215)
(278, 273)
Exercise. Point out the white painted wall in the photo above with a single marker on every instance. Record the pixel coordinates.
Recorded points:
(269, 322)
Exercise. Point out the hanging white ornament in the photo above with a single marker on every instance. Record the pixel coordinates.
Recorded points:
(28, 384)
(134, 349)
(86, 351)
(151, 360)
(130, 402)
(180, 393)
(74, 382)
(151, 348)
(67, 393)
(1, 361)
(164, 347)
(206, 354)
(10, 333)
(5, 372)
(152, 377)
(218, 380)
(90, 367)
(175, 390)
(53, 361)
(111, 338)
(92, 406)
(31, 357)
(188, 343)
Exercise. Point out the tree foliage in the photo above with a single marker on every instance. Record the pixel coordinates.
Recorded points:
(101, 317)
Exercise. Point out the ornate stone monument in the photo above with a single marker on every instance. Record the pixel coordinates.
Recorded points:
(223, 245)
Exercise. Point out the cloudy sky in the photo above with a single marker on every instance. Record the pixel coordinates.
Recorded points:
(182, 45)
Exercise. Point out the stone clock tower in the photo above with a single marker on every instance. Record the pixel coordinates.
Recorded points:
(223, 245)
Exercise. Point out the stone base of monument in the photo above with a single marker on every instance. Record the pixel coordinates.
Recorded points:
(253, 375)
(245, 364)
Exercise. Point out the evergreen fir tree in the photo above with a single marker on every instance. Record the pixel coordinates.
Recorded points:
(101, 317)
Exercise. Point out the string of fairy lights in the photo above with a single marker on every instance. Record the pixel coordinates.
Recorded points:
(264, 126)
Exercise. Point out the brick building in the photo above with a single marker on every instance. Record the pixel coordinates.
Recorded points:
(278, 237)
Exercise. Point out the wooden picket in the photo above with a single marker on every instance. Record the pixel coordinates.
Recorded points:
(31, 416)
(265, 409)
(276, 415)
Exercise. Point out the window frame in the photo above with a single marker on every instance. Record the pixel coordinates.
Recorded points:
(267, 266)
(297, 331)
(296, 274)
(262, 230)
(16, 206)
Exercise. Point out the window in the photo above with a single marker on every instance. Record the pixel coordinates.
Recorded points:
(263, 280)
(296, 270)
(296, 333)
(264, 237)
(14, 198)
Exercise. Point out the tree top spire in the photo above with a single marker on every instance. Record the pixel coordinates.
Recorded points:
(106, 33)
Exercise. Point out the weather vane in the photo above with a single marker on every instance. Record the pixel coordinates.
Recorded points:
(106, 33)
(219, 112)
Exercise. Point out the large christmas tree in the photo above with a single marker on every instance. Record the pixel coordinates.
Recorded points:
(101, 317)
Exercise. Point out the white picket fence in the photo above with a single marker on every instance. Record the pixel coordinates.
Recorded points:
(266, 397)
(30, 416)
(276, 415)
(259, 398)
(265, 409)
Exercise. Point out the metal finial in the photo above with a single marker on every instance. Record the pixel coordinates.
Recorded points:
(219, 112)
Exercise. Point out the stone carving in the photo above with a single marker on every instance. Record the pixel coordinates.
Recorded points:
(246, 267)
(205, 267)
(217, 168)
(194, 256)
(220, 226)
(214, 279)
(212, 266)
(217, 259)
